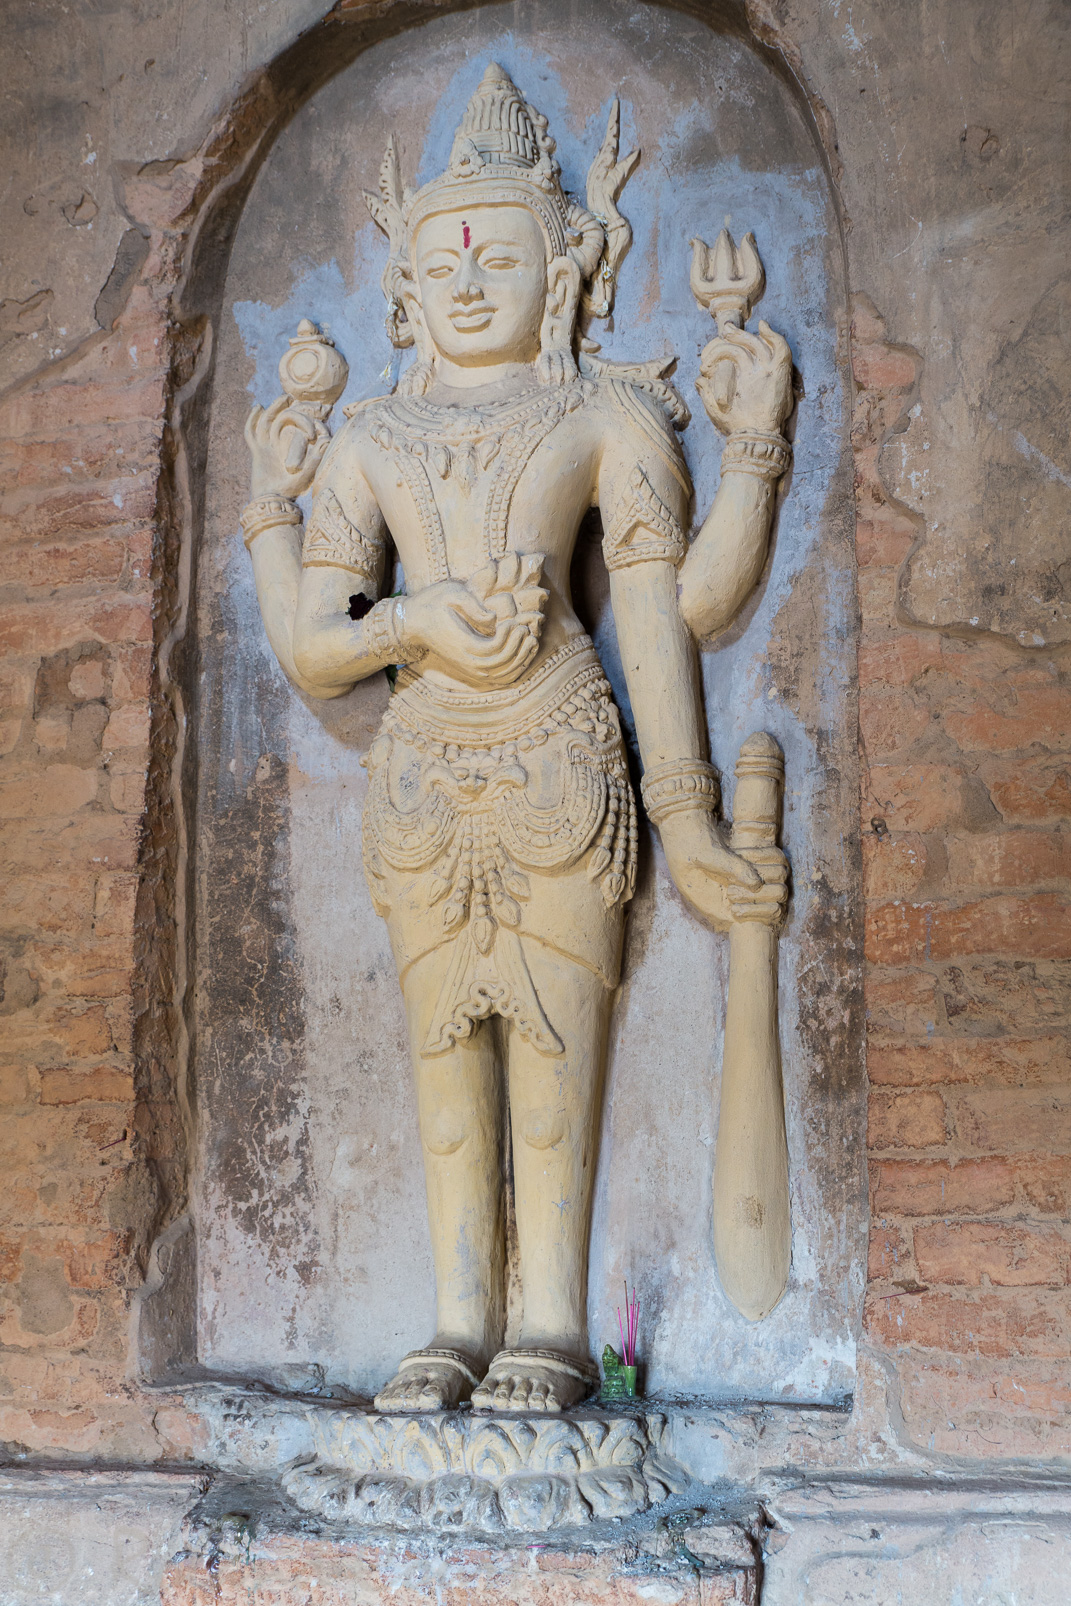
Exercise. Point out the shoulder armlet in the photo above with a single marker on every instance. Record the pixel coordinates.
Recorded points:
(644, 417)
(331, 541)
(642, 527)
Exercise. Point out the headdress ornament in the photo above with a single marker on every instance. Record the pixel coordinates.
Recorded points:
(502, 154)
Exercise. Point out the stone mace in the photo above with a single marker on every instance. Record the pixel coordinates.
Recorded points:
(752, 1222)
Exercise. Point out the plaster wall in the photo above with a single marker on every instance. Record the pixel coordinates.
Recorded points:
(313, 1243)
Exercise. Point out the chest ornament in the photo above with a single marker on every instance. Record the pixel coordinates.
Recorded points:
(430, 443)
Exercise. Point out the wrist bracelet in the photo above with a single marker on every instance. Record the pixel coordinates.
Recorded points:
(686, 783)
(381, 625)
(266, 512)
(753, 451)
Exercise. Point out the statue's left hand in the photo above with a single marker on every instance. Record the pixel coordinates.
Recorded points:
(708, 875)
(287, 447)
(764, 905)
(746, 380)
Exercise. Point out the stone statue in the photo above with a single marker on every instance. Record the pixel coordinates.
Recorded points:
(500, 826)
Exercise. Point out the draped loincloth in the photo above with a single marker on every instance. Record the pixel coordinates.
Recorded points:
(499, 819)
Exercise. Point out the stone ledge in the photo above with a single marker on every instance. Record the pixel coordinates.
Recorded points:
(296, 1572)
(448, 1471)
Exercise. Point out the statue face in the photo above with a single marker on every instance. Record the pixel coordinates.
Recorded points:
(482, 278)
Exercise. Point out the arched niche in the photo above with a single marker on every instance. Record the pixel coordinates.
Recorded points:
(307, 1189)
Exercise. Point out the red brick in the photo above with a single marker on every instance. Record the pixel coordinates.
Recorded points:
(64, 1033)
(65, 510)
(1032, 791)
(87, 680)
(127, 792)
(105, 1085)
(98, 968)
(881, 366)
(890, 722)
(893, 866)
(1041, 1391)
(18, 1083)
(994, 1323)
(897, 661)
(976, 1408)
(113, 909)
(1021, 858)
(131, 674)
(1014, 1061)
(877, 595)
(1010, 1119)
(85, 1318)
(1046, 1183)
(16, 687)
(1035, 928)
(103, 453)
(49, 411)
(107, 840)
(906, 1002)
(1039, 716)
(46, 626)
(972, 1253)
(941, 1188)
(890, 1253)
(66, 565)
(35, 904)
(911, 1120)
(56, 789)
(918, 797)
(128, 726)
(884, 542)
(90, 1263)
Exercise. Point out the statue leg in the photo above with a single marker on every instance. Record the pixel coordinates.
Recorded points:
(554, 1111)
(459, 1099)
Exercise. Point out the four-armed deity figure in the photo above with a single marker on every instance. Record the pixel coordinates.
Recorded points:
(499, 826)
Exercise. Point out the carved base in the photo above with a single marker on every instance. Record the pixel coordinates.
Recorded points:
(450, 1470)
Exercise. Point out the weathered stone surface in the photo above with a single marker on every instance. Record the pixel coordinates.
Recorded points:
(451, 1471)
(91, 1538)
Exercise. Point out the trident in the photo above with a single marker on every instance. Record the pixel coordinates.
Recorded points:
(728, 281)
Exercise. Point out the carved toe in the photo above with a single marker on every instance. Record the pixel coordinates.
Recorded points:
(428, 1380)
(533, 1380)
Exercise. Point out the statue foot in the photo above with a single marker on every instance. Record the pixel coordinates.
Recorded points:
(533, 1380)
(429, 1380)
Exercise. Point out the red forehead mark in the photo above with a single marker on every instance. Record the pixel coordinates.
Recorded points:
(466, 237)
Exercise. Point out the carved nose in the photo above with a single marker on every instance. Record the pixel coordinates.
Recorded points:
(467, 290)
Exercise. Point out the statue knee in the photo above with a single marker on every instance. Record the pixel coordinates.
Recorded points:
(542, 1129)
(444, 1130)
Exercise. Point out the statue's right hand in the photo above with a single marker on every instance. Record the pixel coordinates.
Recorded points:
(286, 446)
(486, 631)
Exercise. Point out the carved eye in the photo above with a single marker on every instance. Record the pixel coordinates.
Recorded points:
(500, 262)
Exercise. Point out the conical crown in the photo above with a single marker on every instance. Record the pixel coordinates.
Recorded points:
(499, 124)
(501, 153)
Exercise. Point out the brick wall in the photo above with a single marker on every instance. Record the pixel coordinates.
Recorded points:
(966, 793)
(81, 466)
(967, 855)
